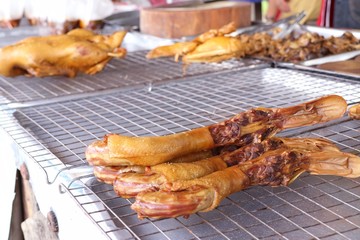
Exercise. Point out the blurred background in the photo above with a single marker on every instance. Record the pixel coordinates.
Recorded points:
(62, 16)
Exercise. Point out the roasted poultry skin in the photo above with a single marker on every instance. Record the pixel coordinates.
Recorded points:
(78, 51)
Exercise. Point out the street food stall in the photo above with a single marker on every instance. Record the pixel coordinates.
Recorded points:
(239, 132)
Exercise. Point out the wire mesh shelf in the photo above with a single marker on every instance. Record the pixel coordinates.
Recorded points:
(312, 207)
(135, 69)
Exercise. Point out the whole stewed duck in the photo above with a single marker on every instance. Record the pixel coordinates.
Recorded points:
(77, 51)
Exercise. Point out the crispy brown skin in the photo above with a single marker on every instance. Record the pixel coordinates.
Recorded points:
(182, 198)
(77, 51)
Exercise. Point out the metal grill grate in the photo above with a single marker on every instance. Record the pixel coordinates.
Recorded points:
(133, 70)
(312, 207)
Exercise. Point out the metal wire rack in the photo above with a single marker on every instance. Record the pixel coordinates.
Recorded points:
(312, 207)
(135, 69)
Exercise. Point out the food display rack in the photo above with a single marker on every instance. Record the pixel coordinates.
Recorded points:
(133, 71)
(51, 133)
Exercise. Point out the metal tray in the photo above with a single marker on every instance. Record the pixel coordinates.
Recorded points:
(55, 136)
(326, 32)
(60, 131)
(311, 64)
(320, 71)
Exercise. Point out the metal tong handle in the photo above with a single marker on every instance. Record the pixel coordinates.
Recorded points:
(290, 27)
(296, 17)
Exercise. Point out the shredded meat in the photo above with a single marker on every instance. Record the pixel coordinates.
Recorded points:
(295, 48)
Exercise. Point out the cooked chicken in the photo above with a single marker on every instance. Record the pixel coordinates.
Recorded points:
(77, 51)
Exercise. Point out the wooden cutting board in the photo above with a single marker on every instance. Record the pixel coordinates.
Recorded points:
(180, 22)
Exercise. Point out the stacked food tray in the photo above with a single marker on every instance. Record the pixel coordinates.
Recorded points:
(55, 133)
